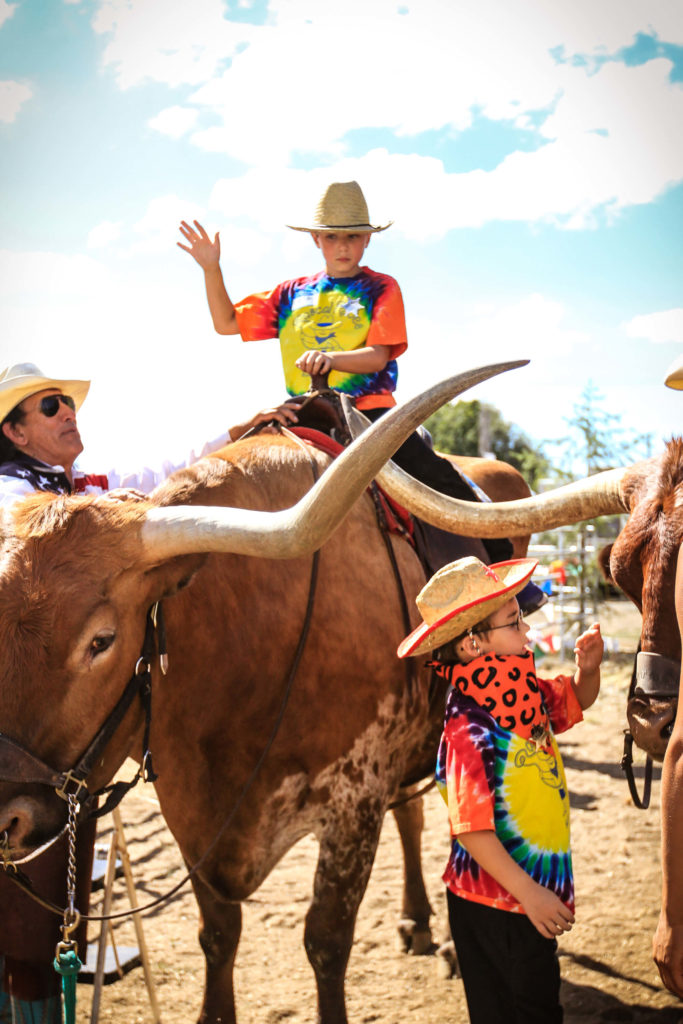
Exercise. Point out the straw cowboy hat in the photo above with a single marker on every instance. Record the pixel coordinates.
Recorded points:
(459, 596)
(25, 379)
(674, 375)
(342, 207)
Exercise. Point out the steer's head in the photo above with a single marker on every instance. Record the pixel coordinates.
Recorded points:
(75, 585)
(642, 560)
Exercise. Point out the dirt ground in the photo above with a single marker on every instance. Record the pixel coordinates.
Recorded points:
(608, 973)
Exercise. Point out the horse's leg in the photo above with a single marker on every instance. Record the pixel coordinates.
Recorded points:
(414, 932)
(219, 934)
(347, 851)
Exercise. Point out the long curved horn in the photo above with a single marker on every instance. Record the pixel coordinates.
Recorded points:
(292, 532)
(598, 495)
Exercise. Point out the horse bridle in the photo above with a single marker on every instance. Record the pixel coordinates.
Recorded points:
(17, 764)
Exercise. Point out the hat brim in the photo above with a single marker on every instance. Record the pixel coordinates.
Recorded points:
(344, 229)
(674, 375)
(24, 387)
(514, 574)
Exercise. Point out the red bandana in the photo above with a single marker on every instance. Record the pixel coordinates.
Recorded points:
(505, 686)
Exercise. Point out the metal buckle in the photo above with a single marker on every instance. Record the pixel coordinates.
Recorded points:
(70, 778)
(147, 773)
(6, 854)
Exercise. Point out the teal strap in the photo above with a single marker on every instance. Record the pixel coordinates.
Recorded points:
(68, 965)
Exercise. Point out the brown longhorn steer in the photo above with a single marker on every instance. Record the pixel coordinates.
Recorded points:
(77, 576)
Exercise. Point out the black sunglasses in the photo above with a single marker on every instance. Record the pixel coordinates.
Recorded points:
(50, 404)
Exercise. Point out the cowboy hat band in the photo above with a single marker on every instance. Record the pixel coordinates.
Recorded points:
(459, 596)
(25, 379)
(342, 207)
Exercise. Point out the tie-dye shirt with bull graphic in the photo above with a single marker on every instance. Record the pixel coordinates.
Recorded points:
(331, 314)
(499, 768)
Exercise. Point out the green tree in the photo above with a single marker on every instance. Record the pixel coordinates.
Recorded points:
(596, 441)
(476, 428)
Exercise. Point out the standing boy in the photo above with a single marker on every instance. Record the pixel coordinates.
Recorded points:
(509, 878)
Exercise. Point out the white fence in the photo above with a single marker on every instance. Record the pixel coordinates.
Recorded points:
(565, 571)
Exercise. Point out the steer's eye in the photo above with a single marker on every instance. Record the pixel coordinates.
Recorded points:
(100, 643)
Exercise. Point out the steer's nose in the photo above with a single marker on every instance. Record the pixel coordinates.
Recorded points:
(18, 821)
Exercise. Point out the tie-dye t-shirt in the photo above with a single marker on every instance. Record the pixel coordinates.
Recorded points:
(499, 768)
(331, 314)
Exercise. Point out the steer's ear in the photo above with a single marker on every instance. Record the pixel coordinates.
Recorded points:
(172, 575)
(603, 562)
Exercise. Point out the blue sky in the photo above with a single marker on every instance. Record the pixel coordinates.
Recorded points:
(529, 153)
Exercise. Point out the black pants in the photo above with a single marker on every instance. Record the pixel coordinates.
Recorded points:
(417, 458)
(510, 972)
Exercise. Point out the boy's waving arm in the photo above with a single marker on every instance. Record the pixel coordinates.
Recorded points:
(207, 255)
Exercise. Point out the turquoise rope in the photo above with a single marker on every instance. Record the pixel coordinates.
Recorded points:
(68, 965)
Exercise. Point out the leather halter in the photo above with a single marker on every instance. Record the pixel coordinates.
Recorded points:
(17, 764)
(654, 677)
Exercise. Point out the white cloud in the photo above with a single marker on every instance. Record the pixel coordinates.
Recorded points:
(567, 182)
(59, 275)
(174, 121)
(104, 233)
(147, 344)
(13, 95)
(530, 328)
(665, 326)
(174, 43)
(274, 90)
(157, 229)
(6, 11)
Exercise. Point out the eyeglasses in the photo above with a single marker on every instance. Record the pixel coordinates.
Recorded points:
(507, 625)
(50, 404)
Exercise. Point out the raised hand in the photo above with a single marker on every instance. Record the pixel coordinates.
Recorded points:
(589, 648)
(201, 248)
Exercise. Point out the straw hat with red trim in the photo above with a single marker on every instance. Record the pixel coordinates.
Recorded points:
(342, 208)
(459, 596)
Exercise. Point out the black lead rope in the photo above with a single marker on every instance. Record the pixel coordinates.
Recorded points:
(642, 803)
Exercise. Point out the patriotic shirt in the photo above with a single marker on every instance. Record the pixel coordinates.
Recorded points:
(331, 314)
(499, 768)
(24, 475)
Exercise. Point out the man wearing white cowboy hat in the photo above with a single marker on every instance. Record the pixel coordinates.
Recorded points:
(346, 320)
(40, 440)
(509, 877)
